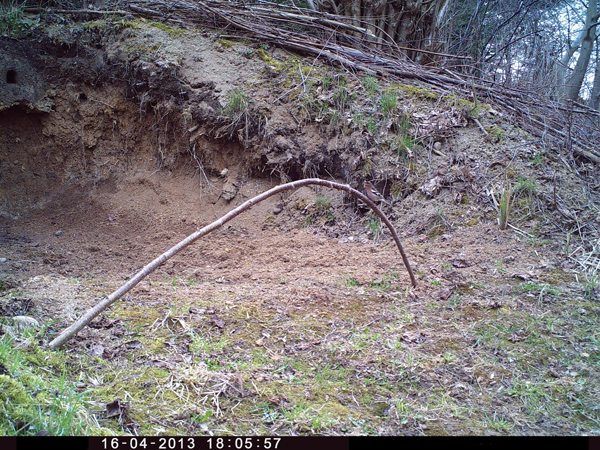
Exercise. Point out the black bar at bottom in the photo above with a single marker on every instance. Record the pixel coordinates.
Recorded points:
(299, 443)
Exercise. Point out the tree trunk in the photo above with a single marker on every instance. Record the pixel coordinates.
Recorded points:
(572, 47)
(407, 23)
(573, 86)
(595, 96)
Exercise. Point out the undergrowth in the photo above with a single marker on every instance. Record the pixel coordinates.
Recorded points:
(11, 17)
(38, 392)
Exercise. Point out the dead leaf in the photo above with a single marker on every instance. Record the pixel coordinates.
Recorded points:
(445, 294)
(97, 350)
(181, 322)
(196, 310)
(281, 401)
(218, 321)
(460, 263)
(413, 338)
(522, 276)
(431, 188)
(103, 322)
(517, 337)
(116, 408)
(133, 344)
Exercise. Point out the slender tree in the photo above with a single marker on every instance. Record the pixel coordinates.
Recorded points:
(574, 82)
(595, 94)
(412, 25)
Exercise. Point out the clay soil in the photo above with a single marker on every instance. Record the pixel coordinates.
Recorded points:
(297, 317)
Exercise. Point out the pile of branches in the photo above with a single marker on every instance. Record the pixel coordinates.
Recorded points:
(342, 40)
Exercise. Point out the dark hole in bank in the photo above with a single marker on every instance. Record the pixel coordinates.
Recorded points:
(11, 77)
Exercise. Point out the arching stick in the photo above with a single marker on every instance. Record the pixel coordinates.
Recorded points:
(92, 313)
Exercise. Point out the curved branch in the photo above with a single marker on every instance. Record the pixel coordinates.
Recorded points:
(96, 310)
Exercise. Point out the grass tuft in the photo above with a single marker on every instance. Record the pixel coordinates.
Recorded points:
(11, 17)
(388, 103)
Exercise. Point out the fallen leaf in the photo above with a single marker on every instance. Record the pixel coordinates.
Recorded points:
(103, 322)
(196, 310)
(413, 338)
(460, 263)
(97, 350)
(445, 294)
(522, 276)
(218, 321)
(431, 188)
(133, 344)
(517, 337)
(116, 408)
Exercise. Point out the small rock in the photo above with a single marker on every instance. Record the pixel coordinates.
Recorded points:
(58, 233)
(277, 210)
(2, 260)
(230, 190)
(23, 322)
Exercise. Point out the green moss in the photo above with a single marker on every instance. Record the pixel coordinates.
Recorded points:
(495, 135)
(436, 429)
(173, 31)
(436, 230)
(226, 43)
(367, 169)
(472, 107)
(472, 222)
(126, 24)
(98, 24)
(418, 92)
(12, 392)
(155, 345)
(267, 57)
(557, 276)
(137, 313)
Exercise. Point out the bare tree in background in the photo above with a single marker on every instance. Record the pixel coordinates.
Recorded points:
(502, 37)
(412, 24)
(595, 95)
(588, 38)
